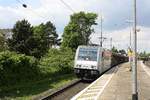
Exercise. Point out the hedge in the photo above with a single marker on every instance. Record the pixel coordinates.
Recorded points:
(57, 61)
(15, 68)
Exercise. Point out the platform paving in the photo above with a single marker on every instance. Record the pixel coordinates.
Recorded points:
(120, 86)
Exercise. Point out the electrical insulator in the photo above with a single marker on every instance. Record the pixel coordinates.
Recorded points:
(24, 5)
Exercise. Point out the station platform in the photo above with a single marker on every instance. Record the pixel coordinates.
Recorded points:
(116, 84)
(120, 86)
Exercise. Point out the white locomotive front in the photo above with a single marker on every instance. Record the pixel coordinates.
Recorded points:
(91, 61)
(86, 61)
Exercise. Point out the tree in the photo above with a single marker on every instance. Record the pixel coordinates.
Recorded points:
(47, 32)
(2, 41)
(79, 29)
(114, 50)
(52, 36)
(144, 54)
(22, 32)
(33, 41)
(45, 36)
(122, 51)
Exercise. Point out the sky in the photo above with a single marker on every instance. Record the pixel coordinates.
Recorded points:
(115, 14)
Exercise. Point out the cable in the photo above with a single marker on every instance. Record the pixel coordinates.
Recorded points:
(34, 12)
(19, 1)
(46, 8)
(69, 7)
(31, 10)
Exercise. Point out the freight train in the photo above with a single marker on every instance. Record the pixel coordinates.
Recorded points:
(92, 61)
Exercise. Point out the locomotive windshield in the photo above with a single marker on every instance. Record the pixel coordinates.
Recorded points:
(89, 54)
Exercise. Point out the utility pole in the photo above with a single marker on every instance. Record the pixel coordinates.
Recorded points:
(134, 67)
(130, 38)
(110, 43)
(130, 48)
(101, 41)
(130, 28)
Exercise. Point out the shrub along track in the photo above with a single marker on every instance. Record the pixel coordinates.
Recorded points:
(69, 91)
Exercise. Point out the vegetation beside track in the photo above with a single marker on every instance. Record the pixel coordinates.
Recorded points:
(25, 91)
(28, 76)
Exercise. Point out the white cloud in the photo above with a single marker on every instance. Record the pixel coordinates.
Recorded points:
(121, 38)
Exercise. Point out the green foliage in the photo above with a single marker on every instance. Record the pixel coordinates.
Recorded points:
(33, 41)
(122, 51)
(44, 37)
(144, 55)
(15, 68)
(22, 76)
(57, 61)
(79, 29)
(29, 90)
(114, 50)
(22, 32)
(2, 42)
(47, 32)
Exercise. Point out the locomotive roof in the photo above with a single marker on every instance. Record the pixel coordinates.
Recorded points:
(89, 46)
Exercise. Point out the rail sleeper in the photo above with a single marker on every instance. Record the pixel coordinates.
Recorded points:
(94, 90)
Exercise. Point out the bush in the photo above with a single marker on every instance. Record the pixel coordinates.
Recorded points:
(15, 68)
(57, 61)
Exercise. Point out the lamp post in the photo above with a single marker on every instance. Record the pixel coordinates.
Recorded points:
(101, 41)
(134, 67)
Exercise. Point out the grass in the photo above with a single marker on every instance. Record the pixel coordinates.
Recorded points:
(25, 91)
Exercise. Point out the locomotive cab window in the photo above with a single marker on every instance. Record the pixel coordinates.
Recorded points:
(87, 54)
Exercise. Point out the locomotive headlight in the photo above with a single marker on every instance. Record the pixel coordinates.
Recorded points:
(78, 65)
(93, 72)
(77, 71)
(93, 66)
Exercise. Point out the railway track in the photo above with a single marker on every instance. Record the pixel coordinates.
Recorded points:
(69, 91)
(93, 91)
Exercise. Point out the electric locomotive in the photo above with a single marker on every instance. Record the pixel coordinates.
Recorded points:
(91, 61)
